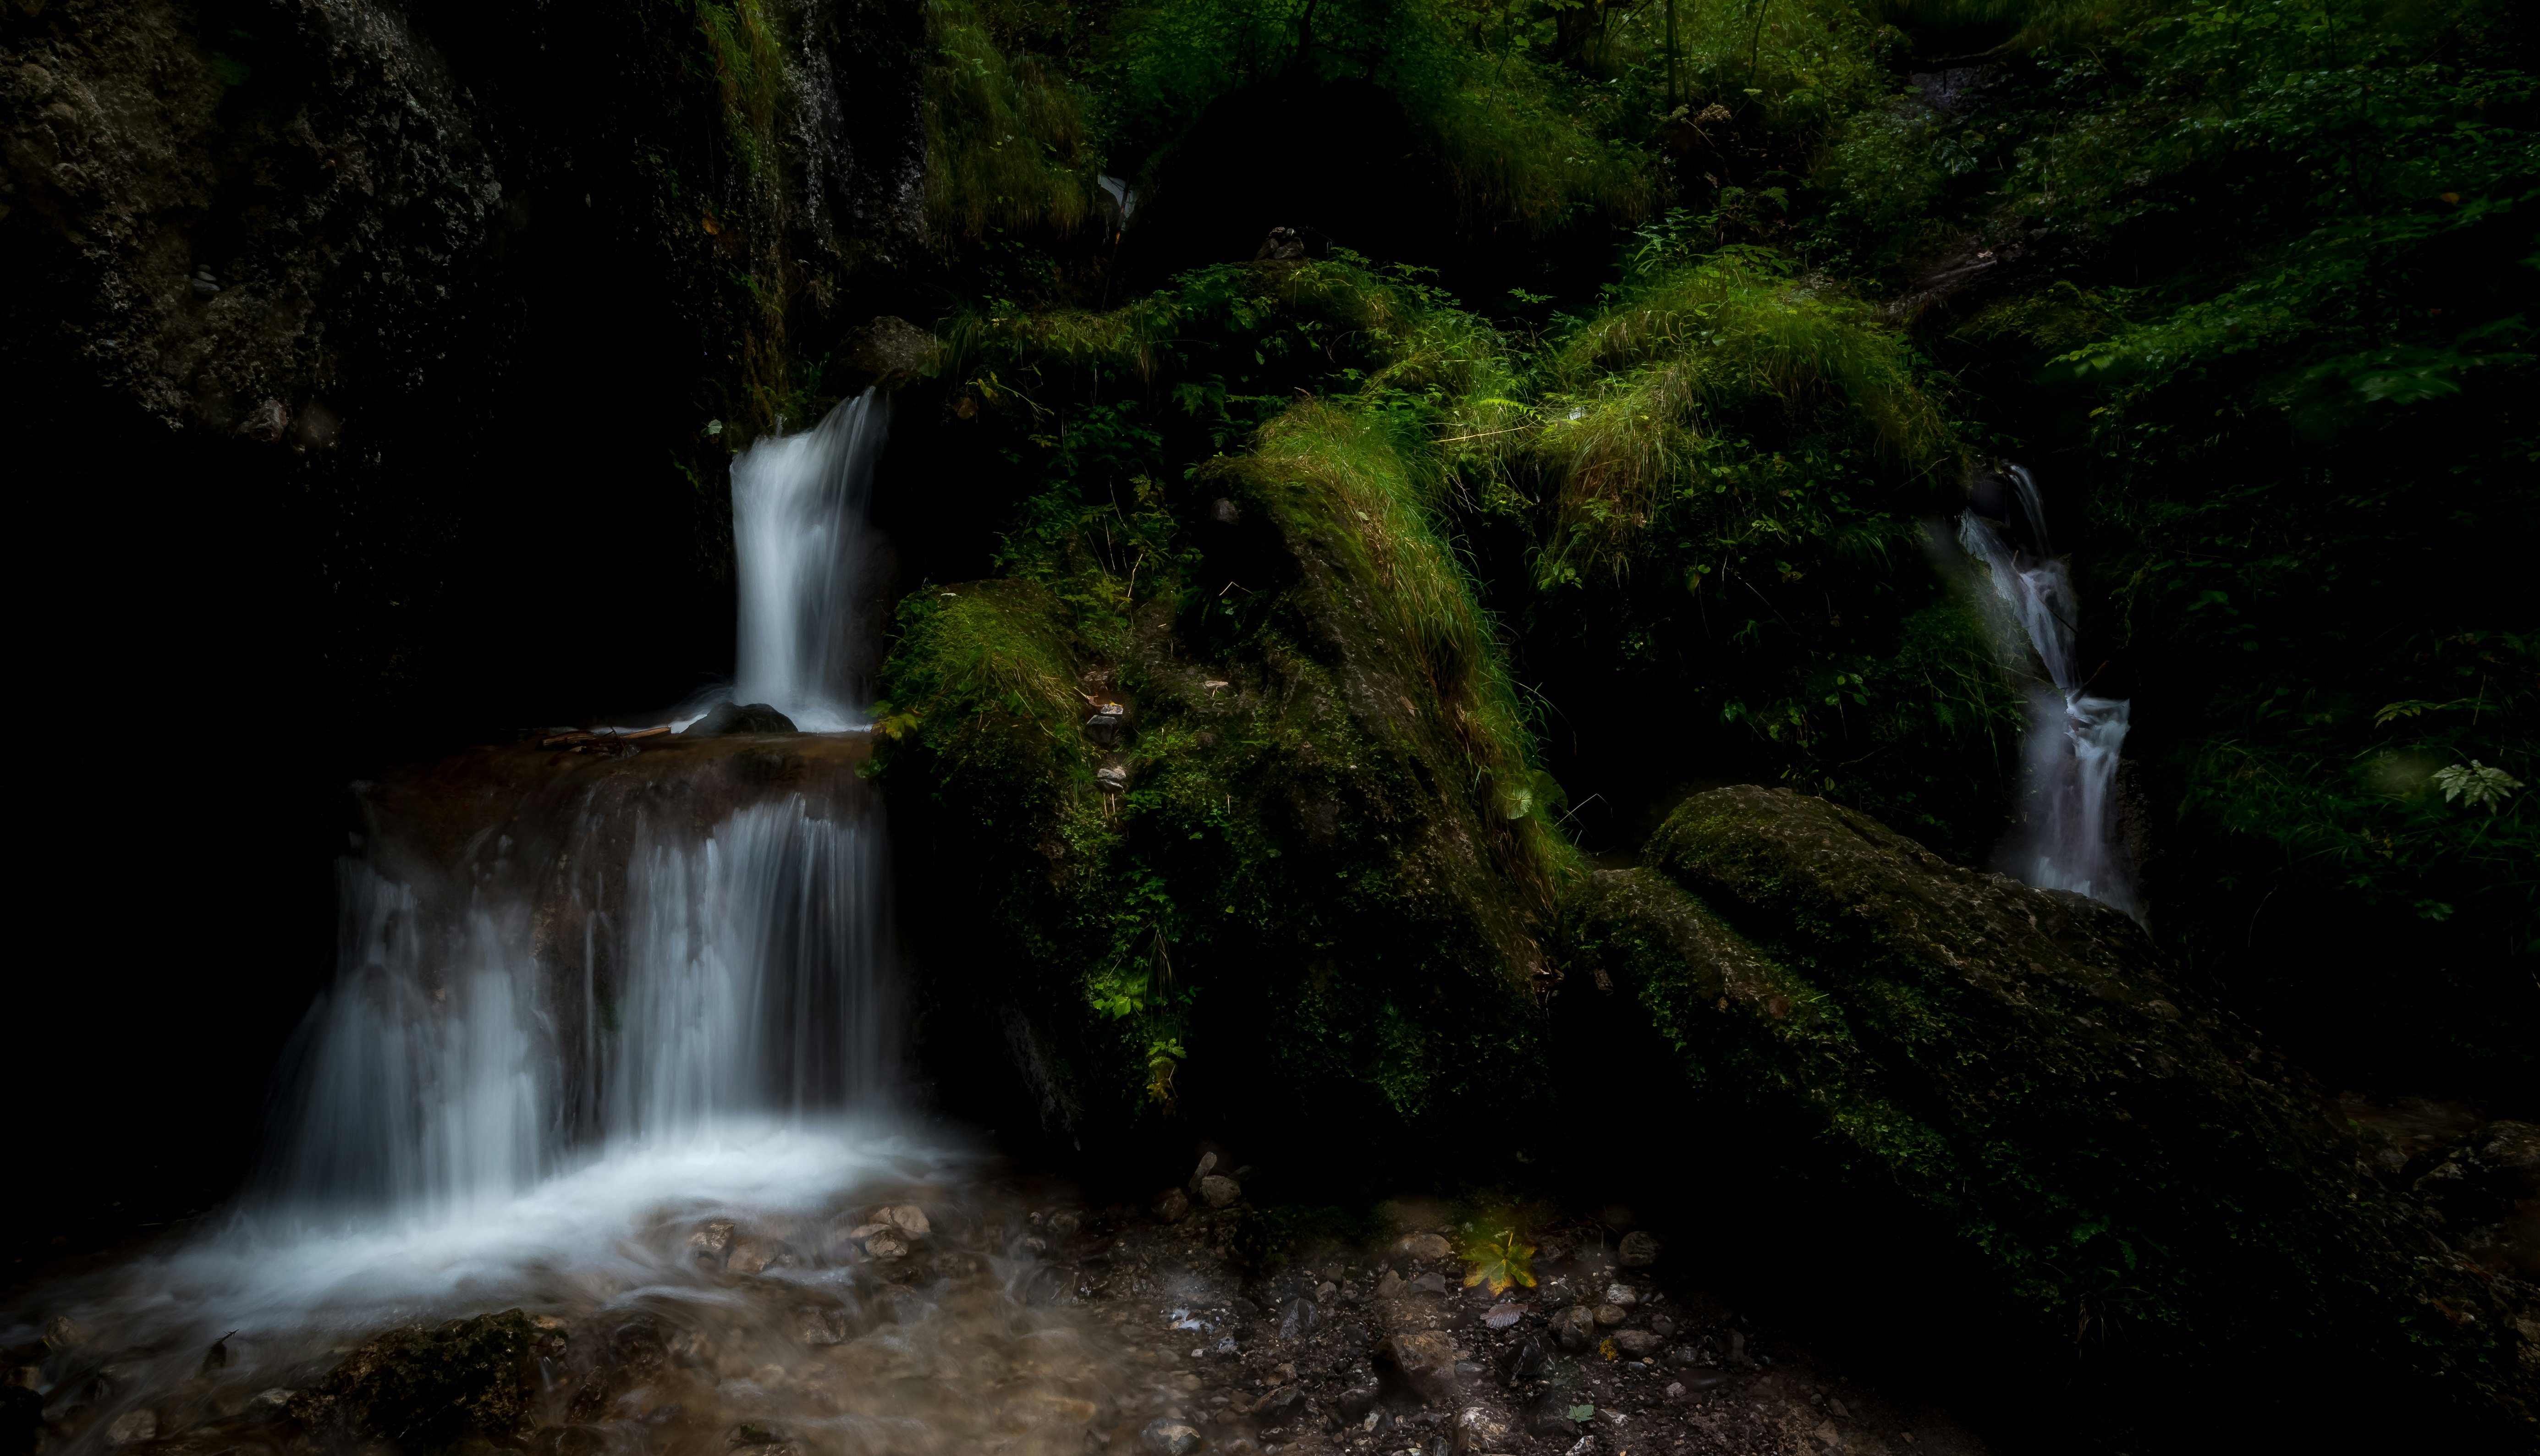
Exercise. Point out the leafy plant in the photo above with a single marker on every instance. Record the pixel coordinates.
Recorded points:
(1500, 1261)
(2474, 784)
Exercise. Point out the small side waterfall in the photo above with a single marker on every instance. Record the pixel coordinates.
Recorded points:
(2068, 839)
(797, 510)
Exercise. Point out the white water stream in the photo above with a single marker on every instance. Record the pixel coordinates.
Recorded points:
(798, 511)
(2068, 838)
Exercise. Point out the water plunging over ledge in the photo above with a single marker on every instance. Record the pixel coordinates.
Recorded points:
(798, 511)
(2068, 836)
(611, 1040)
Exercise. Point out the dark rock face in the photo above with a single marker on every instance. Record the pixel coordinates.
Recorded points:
(358, 266)
(2022, 1067)
(227, 266)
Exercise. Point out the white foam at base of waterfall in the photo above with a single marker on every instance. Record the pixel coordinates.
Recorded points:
(283, 1274)
(2067, 836)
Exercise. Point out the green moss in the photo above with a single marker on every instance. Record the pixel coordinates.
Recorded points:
(1694, 364)
(2017, 1069)
(1006, 144)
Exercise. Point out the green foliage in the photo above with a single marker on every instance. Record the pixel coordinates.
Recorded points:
(1653, 397)
(1519, 140)
(2305, 435)
(1344, 792)
(1501, 1262)
(750, 73)
(1007, 147)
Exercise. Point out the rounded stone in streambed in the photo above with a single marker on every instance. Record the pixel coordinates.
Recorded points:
(1574, 1328)
(739, 718)
(1166, 1437)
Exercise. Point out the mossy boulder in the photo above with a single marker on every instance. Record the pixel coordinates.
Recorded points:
(2022, 1070)
(465, 1384)
(1303, 874)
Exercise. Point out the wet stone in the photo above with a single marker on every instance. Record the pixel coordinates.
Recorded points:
(1166, 1436)
(1574, 1328)
(1299, 1318)
(1638, 1343)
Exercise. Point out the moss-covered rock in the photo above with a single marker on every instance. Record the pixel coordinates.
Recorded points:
(466, 1383)
(1306, 870)
(2134, 1171)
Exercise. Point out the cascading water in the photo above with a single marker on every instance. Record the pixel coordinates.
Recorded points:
(610, 1039)
(2068, 839)
(797, 510)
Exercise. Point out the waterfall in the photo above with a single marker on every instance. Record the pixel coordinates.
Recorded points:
(798, 508)
(2068, 839)
(688, 943)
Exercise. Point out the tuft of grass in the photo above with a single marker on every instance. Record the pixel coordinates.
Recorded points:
(749, 75)
(1343, 475)
(1007, 146)
(1725, 347)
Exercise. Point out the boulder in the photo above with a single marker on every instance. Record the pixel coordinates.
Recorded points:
(2026, 1070)
(467, 1381)
(1217, 1192)
(883, 354)
(739, 718)
(1169, 1206)
(1639, 1250)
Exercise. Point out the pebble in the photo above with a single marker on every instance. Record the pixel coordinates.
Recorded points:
(1299, 1318)
(1638, 1343)
(1574, 1328)
(1612, 1314)
(1166, 1436)
(1427, 1247)
(1169, 1206)
(268, 1405)
(1639, 1250)
(1217, 1192)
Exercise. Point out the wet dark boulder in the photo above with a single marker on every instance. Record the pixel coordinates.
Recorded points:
(416, 1390)
(2023, 1076)
(739, 718)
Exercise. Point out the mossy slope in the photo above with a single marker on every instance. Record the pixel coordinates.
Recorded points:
(1319, 881)
(2137, 1176)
